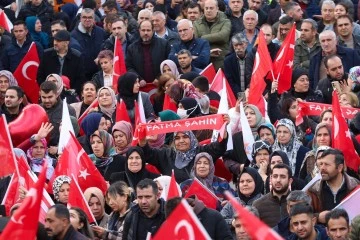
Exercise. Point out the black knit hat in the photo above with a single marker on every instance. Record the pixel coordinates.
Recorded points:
(298, 72)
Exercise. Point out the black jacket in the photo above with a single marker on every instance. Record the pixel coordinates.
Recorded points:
(159, 49)
(73, 67)
(232, 72)
(109, 43)
(72, 234)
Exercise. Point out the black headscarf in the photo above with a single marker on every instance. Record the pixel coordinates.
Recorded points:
(283, 156)
(135, 178)
(259, 184)
(125, 89)
(191, 105)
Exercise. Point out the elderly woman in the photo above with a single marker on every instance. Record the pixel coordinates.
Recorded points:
(6, 80)
(181, 156)
(122, 132)
(88, 95)
(37, 154)
(135, 170)
(104, 156)
(250, 187)
(128, 88)
(204, 171)
(96, 202)
(287, 141)
(61, 188)
(260, 153)
(266, 132)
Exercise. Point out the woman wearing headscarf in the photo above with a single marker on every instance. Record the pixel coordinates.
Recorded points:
(260, 153)
(60, 88)
(107, 102)
(204, 171)
(156, 141)
(128, 88)
(33, 24)
(104, 156)
(61, 188)
(188, 108)
(163, 183)
(266, 132)
(180, 158)
(7, 79)
(287, 141)
(168, 66)
(135, 170)
(122, 132)
(250, 187)
(254, 118)
(96, 201)
(37, 154)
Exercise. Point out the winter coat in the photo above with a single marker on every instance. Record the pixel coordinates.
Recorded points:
(356, 41)
(228, 211)
(232, 72)
(303, 54)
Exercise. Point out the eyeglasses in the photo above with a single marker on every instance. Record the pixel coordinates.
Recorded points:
(87, 18)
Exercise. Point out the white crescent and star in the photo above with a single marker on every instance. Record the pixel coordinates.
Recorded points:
(84, 174)
(20, 221)
(25, 67)
(257, 62)
(189, 229)
(336, 127)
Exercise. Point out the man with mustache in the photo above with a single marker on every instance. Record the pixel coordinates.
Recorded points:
(272, 206)
(335, 184)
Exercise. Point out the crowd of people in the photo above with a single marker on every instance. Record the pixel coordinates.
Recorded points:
(166, 45)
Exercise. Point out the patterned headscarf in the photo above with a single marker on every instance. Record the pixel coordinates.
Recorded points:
(37, 163)
(58, 182)
(172, 67)
(184, 158)
(108, 111)
(109, 149)
(292, 147)
(259, 119)
(59, 83)
(208, 180)
(127, 129)
(354, 74)
(259, 145)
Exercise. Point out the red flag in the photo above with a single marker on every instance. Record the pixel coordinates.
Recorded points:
(121, 112)
(173, 188)
(209, 72)
(118, 63)
(218, 86)
(77, 199)
(27, 78)
(94, 104)
(203, 193)
(254, 227)
(283, 63)
(74, 160)
(262, 65)
(182, 224)
(24, 223)
(6, 150)
(341, 136)
(168, 104)
(5, 21)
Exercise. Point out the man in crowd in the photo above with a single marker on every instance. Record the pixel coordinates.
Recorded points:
(194, 11)
(62, 60)
(328, 16)
(337, 224)
(285, 25)
(119, 31)
(185, 62)
(217, 35)
(346, 36)
(307, 45)
(144, 14)
(13, 103)
(294, 11)
(272, 206)
(256, 5)
(198, 47)
(148, 215)
(250, 30)
(146, 54)
(333, 180)
(90, 38)
(58, 225)
(235, 14)
(240, 231)
(58, 25)
(158, 20)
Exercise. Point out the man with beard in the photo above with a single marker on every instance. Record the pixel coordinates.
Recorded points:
(272, 206)
(146, 54)
(337, 224)
(334, 184)
(185, 60)
(303, 224)
(12, 106)
(58, 225)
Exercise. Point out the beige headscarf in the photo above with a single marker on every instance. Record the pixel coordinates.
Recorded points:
(59, 83)
(94, 191)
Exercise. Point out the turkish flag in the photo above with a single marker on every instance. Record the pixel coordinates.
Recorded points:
(254, 227)
(203, 193)
(74, 160)
(209, 72)
(262, 66)
(218, 86)
(121, 112)
(77, 199)
(173, 188)
(341, 136)
(6, 150)
(139, 111)
(284, 60)
(182, 224)
(26, 73)
(168, 104)
(5, 21)
(118, 63)
(24, 223)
